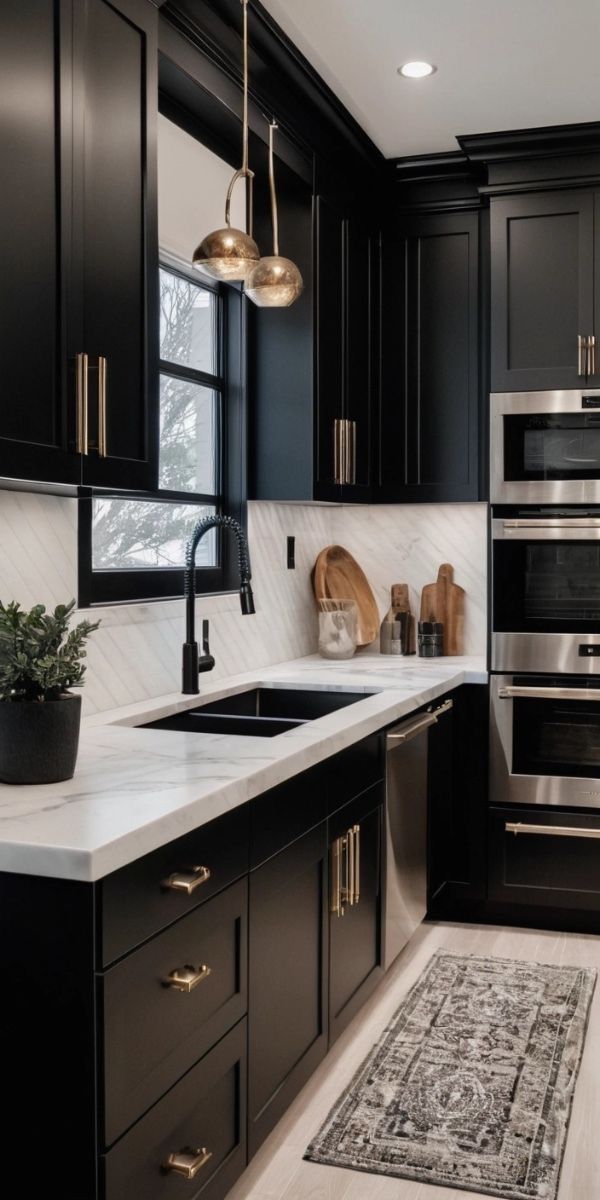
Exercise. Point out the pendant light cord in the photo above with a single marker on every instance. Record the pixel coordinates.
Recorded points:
(244, 171)
(274, 217)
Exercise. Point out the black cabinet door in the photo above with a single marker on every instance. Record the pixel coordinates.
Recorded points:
(457, 791)
(361, 343)
(330, 344)
(355, 962)
(35, 439)
(551, 860)
(542, 289)
(287, 999)
(114, 312)
(430, 392)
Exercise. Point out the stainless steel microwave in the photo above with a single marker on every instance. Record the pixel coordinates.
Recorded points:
(545, 447)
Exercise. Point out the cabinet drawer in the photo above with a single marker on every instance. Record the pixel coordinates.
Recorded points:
(205, 1111)
(140, 899)
(553, 859)
(154, 1031)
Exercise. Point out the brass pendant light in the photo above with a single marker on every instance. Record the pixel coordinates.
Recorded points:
(274, 282)
(228, 253)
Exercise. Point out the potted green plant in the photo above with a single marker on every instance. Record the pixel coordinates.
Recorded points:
(40, 659)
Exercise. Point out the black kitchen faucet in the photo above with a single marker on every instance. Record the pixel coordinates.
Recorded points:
(193, 661)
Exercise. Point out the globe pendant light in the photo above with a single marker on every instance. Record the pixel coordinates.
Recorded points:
(274, 282)
(230, 253)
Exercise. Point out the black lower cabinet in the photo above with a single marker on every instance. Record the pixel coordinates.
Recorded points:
(355, 943)
(199, 1126)
(545, 858)
(458, 791)
(287, 995)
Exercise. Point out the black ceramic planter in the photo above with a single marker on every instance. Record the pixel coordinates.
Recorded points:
(39, 739)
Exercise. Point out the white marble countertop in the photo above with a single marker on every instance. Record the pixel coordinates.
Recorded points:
(136, 789)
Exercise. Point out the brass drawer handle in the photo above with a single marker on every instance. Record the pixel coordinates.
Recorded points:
(336, 878)
(185, 979)
(188, 1162)
(581, 347)
(102, 444)
(187, 881)
(356, 836)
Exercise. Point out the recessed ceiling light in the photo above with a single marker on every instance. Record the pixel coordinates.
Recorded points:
(416, 70)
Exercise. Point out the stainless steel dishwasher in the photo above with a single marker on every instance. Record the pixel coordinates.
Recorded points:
(406, 828)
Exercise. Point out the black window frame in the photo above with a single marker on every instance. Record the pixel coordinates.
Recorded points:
(141, 585)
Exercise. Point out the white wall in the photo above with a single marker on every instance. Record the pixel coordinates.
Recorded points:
(192, 186)
(136, 653)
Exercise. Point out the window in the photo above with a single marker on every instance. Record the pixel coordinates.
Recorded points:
(131, 545)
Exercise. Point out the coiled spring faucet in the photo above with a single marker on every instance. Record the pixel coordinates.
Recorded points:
(193, 661)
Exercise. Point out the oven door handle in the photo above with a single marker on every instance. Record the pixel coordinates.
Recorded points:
(553, 523)
(570, 831)
(548, 693)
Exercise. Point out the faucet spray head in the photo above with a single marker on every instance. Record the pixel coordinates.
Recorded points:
(246, 599)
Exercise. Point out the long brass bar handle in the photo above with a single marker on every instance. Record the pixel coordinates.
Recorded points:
(336, 878)
(185, 979)
(187, 881)
(188, 1162)
(591, 363)
(81, 396)
(351, 852)
(580, 359)
(569, 831)
(337, 451)
(102, 444)
(356, 839)
(343, 451)
(352, 452)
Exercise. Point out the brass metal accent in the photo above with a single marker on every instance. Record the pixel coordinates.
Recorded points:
(548, 693)
(411, 730)
(81, 392)
(581, 345)
(350, 875)
(188, 1162)
(355, 831)
(102, 443)
(185, 979)
(275, 281)
(569, 831)
(340, 434)
(230, 253)
(336, 878)
(591, 358)
(187, 881)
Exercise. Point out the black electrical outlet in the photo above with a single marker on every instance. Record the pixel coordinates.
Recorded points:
(291, 553)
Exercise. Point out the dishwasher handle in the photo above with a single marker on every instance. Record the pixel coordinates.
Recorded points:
(410, 729)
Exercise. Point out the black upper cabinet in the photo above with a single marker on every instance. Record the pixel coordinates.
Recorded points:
(312, 367)
(431, 383)
(542, 289)
(115, 311)
(78, 240)
(346, 343)
(34, 238)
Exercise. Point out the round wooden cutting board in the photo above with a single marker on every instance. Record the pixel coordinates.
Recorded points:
(337, 576)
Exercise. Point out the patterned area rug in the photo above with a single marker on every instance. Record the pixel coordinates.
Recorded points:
(471, 1084)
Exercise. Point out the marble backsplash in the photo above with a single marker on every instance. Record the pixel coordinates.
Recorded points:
(136, 653)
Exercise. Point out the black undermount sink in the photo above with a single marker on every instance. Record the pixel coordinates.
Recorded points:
(259, 712)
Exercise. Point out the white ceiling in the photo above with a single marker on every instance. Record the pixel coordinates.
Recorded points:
(502, 64)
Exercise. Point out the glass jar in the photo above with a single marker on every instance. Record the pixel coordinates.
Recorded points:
(338, 628)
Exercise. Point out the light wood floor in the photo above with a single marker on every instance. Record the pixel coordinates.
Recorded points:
(278, 1171)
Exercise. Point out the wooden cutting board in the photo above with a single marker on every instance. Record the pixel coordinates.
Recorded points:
(445, 601)
(337, 576)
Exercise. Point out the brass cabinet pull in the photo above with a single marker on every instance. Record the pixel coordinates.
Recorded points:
(570, 831)
(102, 406)
(188, 1162)
(580, 358)
(336, 878)
(187, 881)
(185, 979)
(339, 450)
(350, 872)
(591, 355)
(351, 455)
(81, 396)
(356, 842)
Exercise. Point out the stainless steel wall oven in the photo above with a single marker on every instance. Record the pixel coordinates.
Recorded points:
(545, 740)
(545, 447)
